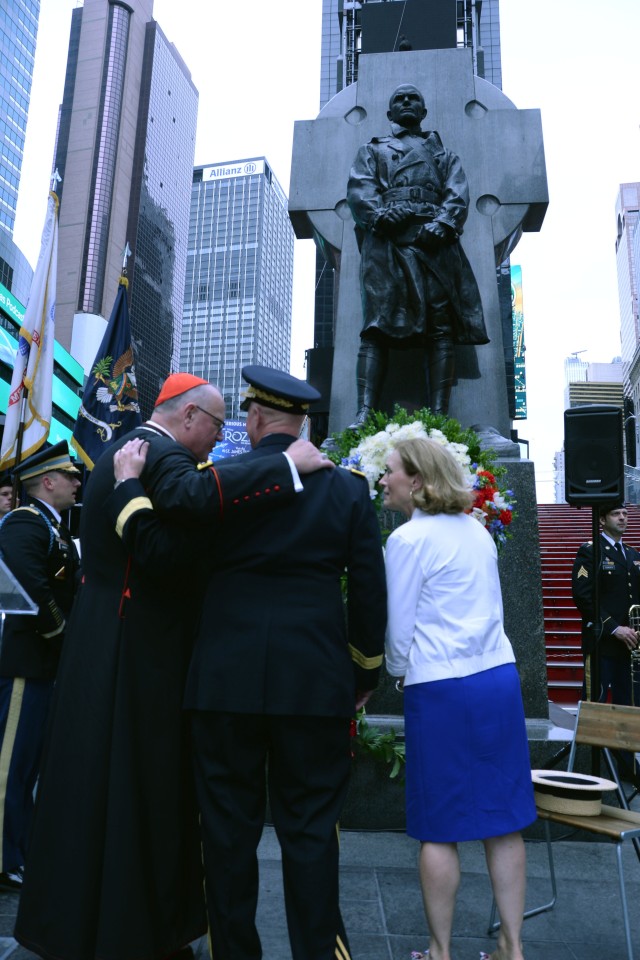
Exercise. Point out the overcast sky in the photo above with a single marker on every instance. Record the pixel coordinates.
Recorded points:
(256, 65)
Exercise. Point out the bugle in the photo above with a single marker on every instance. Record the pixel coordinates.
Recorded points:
(634, 623)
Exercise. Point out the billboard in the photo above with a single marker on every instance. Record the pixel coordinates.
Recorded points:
(517, 316)
(235, 441)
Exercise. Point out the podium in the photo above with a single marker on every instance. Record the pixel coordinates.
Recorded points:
(13, 597)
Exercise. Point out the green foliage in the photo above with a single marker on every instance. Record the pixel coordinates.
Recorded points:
(383, 747)
(452, 429)
(102, 369)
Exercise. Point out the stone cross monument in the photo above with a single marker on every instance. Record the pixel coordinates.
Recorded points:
(502, 153)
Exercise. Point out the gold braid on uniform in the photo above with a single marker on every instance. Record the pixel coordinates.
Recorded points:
(253, 393)
(134, 506)
(367, 663)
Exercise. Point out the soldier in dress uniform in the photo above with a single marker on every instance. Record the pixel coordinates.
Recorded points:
(38, 549)
(278, 669)
(613, 639)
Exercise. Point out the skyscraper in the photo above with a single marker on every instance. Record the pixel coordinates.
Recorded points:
(627, 217)
(18, 32)
(126, 139)
(628, 270)
(238, 291)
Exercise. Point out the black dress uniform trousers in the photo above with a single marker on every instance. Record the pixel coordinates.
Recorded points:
(308, 762)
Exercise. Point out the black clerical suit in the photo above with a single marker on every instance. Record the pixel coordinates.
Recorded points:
(114, 866)
(272, 682)
(619, 589)
(40, 553)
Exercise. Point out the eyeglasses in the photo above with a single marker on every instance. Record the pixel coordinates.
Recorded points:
(219, 423)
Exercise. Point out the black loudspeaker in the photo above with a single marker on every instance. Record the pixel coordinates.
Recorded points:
(593, 454)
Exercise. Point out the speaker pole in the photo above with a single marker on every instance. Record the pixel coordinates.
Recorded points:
(594, 692)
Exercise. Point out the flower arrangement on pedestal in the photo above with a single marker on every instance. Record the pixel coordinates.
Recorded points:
(368, 449)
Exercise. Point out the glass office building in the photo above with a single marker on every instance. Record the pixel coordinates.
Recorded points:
(125, 149)
(18, 32)
(158, 225)
(238, 290)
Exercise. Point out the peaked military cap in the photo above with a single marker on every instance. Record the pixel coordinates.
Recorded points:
(606, 508)
(50, 458)
(277, 389)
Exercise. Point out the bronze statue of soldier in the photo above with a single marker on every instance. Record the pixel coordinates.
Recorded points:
(409, 198)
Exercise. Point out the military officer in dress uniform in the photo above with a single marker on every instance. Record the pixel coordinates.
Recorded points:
(619, 586)
(279, 667)
(38, 549)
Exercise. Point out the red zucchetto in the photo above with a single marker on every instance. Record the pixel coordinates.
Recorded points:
(176, 384)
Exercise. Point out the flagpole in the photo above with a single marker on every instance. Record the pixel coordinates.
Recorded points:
(16, 480)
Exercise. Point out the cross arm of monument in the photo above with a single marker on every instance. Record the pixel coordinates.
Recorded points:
(501, 147)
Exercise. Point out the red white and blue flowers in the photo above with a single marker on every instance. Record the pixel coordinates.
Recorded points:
(368, 449)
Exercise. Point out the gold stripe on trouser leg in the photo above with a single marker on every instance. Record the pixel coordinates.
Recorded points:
(341, 951)
(8, 741)
(588, 679)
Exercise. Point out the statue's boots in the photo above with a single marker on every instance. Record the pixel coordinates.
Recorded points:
(371, 370)
(440, 363)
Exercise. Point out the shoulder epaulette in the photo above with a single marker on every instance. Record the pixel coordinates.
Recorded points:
(38, 513)
(205, 465)
(357, 473)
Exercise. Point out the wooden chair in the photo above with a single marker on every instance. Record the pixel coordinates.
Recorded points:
(608, 726)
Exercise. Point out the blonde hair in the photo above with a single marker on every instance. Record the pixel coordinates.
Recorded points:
(444, 488)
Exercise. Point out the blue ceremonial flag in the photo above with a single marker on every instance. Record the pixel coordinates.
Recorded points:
(110, 405)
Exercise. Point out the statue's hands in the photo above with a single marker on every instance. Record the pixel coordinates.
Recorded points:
(393, 216)
(435, 234)
(399, 212)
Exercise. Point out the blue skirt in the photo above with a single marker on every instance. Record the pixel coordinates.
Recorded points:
(468, 773)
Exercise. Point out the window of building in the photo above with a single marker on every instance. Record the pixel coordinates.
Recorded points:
(6, 274)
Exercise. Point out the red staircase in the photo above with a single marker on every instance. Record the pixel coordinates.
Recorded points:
(562, 529)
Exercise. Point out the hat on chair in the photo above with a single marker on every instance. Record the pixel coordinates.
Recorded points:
(572, 793)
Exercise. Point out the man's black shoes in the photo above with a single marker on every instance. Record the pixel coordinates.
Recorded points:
(11, 881)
